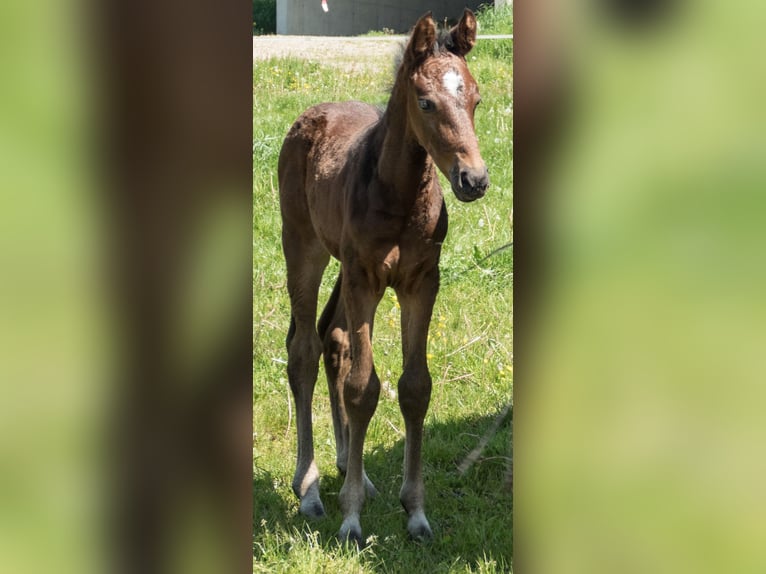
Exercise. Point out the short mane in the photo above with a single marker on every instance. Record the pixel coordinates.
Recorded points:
(444, 43)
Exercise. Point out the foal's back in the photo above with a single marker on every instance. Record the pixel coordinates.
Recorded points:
(320, 145)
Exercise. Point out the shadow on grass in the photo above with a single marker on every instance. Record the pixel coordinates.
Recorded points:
(471, 513)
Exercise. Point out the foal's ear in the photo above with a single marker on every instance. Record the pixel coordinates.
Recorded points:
(422, 39)
(463, 35)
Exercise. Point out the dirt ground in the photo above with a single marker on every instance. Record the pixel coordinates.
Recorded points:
(344, 52)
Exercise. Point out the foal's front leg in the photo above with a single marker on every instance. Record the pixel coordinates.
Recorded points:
(414, 397)
(360, 397)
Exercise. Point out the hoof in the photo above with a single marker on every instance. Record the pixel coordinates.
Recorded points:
(351, 531)
(311, 503)
(312, 508)
(306, 488)
(418, 527)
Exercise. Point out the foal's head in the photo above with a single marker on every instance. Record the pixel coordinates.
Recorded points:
(441, 99)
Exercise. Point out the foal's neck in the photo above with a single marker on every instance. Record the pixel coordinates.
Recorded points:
(403, 164)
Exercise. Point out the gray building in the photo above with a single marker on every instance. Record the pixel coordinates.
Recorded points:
(352, 17)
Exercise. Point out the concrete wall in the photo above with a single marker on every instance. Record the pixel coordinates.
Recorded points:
(352, 17)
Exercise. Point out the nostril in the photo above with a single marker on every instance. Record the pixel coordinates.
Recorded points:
(465, 180)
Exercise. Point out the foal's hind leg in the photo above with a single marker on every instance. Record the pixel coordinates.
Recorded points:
(414, 396)
(360, 395)
(337, 361)
(306, 260)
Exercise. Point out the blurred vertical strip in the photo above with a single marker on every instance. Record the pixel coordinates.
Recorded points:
(540, 110)
(52, 349)
(125, 287)
(176, 142)
(640, 273)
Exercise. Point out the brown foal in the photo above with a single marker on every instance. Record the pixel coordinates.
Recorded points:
(361, 185)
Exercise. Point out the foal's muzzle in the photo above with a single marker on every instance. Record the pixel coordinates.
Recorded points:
(469, 184)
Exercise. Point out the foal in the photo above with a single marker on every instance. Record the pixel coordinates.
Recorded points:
(361, 185)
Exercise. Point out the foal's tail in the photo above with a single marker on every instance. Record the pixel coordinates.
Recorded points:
(329, 310)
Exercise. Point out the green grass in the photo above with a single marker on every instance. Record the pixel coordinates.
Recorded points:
(470, 352)
(264, 17)
(495, 20)
(491, 21)
(383, 32)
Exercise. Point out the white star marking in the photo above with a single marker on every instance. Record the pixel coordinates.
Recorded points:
(453, 82)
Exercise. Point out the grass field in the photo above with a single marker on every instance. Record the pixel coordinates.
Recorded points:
(470, 353)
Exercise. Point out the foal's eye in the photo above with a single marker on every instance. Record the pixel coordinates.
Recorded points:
(476, 105)
(426, 105)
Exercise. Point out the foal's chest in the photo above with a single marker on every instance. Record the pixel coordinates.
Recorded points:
(399, 249)
(403, 265)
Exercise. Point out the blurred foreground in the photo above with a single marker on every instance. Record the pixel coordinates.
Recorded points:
(125, 349)
(640, 440)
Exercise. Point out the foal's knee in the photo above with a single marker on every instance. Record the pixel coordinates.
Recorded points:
(361, 391)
